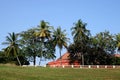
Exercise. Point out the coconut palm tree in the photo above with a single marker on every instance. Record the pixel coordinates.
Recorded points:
(79, 32)
(13, 46)
(60, 40)
(43, 30)
(81, 36)
(43, 34)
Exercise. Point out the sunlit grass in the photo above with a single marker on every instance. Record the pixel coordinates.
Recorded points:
(39, 73)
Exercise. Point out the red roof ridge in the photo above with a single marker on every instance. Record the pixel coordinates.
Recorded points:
(65, 56)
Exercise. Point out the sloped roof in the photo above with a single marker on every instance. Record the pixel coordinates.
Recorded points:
(64, 60)
(64, 56)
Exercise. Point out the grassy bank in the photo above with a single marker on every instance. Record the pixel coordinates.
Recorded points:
(38, 73)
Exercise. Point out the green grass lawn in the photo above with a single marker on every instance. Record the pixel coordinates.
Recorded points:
(39, 73)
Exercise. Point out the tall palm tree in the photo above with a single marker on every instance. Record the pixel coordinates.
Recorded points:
(13, 46)
(60, 39)
(79, 32)
(43, 30)
(43, 33)
(80, 35)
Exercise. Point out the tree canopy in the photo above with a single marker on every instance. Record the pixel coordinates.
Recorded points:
(42, 40)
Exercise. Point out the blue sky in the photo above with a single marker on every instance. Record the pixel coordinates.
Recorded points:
(20, 15)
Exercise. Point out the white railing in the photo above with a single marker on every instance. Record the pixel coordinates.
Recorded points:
(84, 66)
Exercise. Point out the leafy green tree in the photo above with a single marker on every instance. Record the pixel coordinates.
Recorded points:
(106, 41)
(29, 46)
(13, 46)
(3, 58)
(37, 42)
(59, 39)
(101, 49)
(74, 50)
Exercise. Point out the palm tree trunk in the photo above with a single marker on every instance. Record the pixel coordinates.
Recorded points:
(40, 60)
(82, 59)
(18, 61)
(60, 58)
(34, 61)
